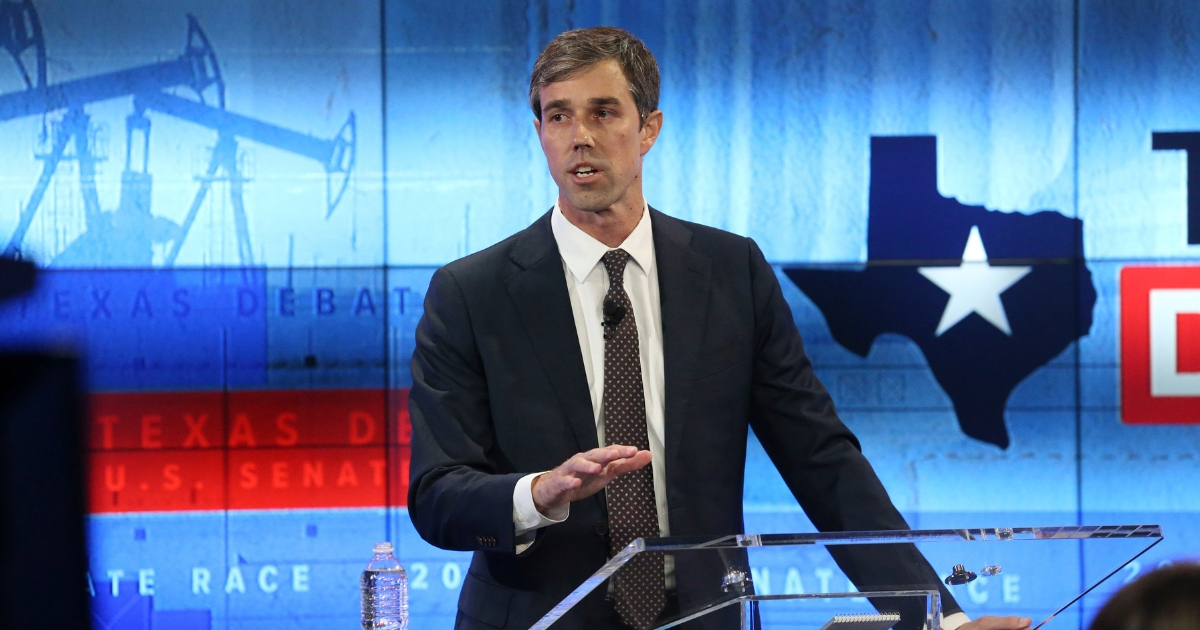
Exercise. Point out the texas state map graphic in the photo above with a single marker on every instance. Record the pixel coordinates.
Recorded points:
(988, 296)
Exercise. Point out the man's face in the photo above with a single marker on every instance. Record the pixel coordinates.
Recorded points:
(592, 138)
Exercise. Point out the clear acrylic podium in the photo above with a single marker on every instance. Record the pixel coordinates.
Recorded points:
(1055, 575)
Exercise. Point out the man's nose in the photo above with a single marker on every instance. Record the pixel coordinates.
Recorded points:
(583, 136)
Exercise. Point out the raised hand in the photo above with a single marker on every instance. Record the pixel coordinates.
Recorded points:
(585, 474)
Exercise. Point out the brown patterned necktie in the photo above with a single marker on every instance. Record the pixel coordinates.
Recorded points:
(632, 510)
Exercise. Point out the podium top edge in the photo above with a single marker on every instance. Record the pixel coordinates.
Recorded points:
(1065, 532)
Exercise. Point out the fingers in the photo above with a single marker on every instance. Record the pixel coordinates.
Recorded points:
(608, 461)
(580, 465)
(609, 453)
(604, 464)
(998, 623)
(621, 466)
(585, 474)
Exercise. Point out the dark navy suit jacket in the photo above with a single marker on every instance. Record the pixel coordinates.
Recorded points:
(499, 391)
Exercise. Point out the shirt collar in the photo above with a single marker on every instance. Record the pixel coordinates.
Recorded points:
(581, 252)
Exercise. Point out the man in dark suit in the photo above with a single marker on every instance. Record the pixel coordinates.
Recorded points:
(592, 379)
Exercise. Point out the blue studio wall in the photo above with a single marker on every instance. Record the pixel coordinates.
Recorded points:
(238, 206)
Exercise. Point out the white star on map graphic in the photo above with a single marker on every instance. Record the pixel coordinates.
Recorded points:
(974, 286)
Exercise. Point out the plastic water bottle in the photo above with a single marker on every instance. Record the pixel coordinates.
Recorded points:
(384, 592)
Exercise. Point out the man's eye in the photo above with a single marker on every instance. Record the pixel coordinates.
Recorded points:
(604, 113)
(557, 118)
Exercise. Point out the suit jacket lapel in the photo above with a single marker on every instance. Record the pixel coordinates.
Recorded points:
(683, 286)
(538, 288)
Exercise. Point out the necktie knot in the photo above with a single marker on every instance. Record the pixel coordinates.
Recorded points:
(614, 262)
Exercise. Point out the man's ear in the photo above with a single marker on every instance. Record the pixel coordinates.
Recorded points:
(651, 127)
(537, 126)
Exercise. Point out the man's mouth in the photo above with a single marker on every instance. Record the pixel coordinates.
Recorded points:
(584, 172)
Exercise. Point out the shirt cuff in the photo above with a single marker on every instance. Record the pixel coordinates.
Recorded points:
(952, 622)
(526, 517)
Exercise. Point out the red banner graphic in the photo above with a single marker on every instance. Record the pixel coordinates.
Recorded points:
(1160, 345)
(248, 450)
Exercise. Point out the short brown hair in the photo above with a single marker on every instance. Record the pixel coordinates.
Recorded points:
(1165, 599)
(574, 52)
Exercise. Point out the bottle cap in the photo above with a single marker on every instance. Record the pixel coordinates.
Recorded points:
(383, 547)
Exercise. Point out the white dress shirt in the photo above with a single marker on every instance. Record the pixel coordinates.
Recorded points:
(587, 284)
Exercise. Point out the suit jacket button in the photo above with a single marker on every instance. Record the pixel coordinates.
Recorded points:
(602, 528)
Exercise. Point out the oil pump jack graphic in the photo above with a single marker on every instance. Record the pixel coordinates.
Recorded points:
(126, 235)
